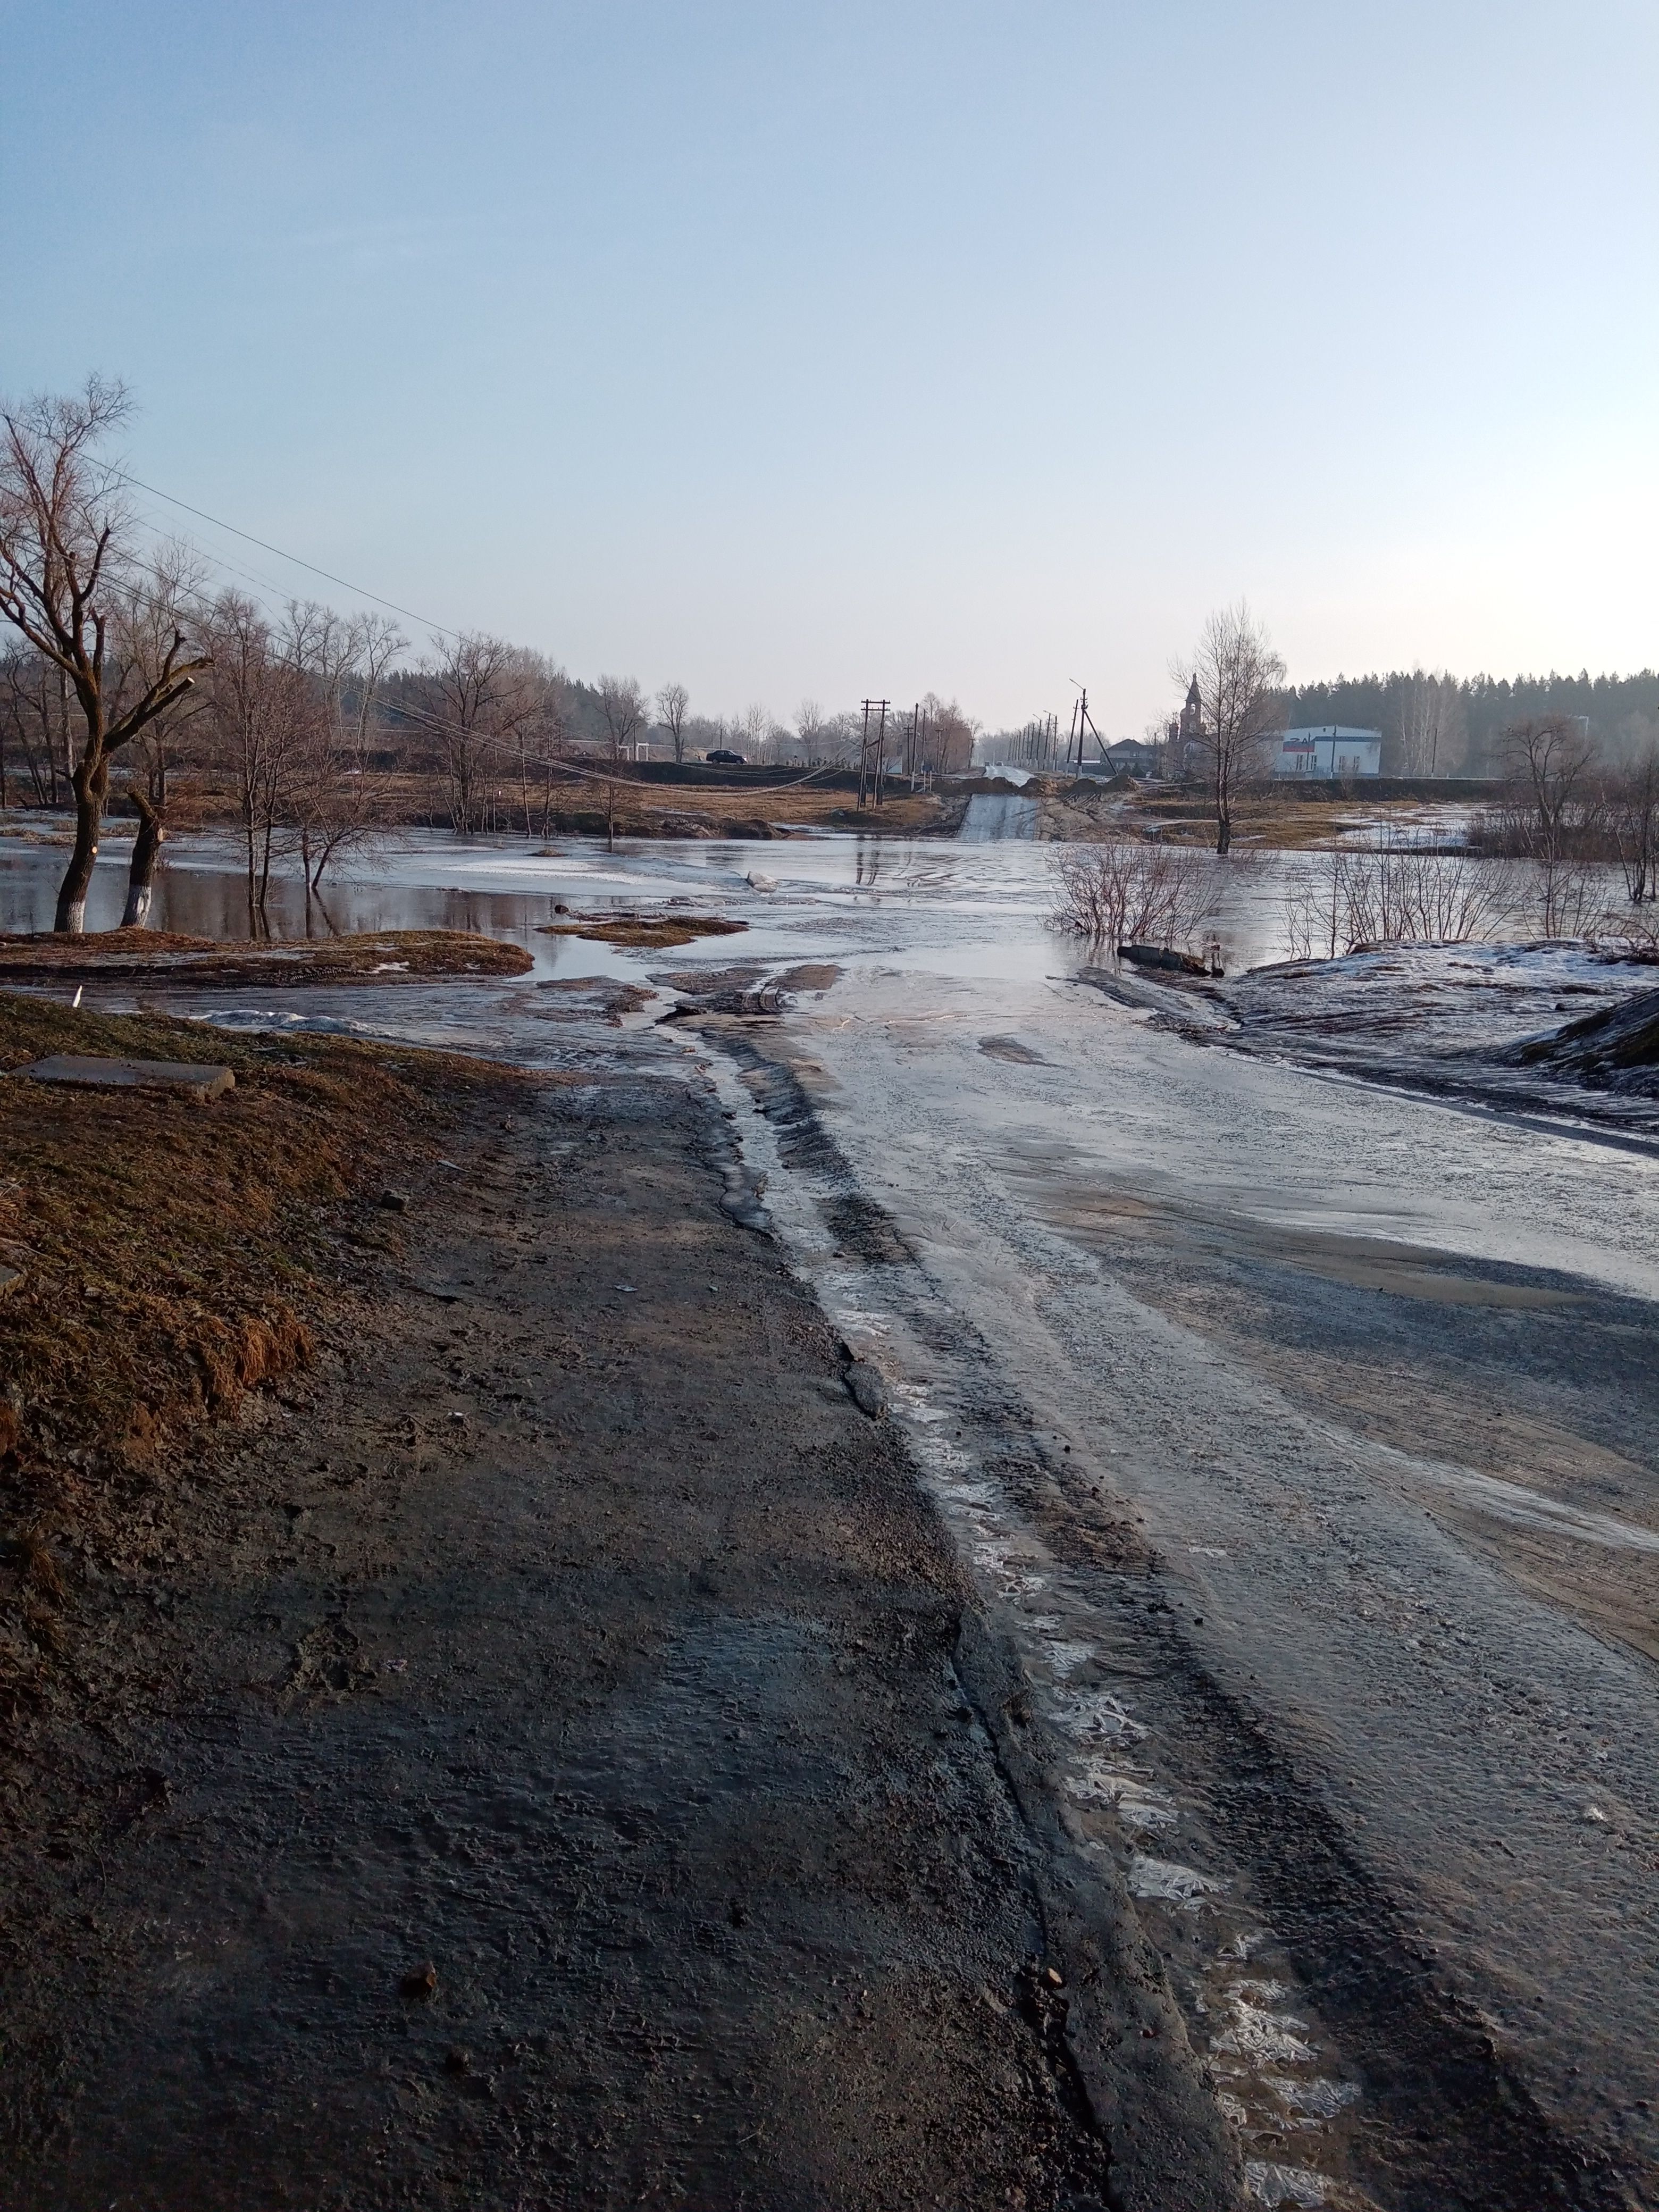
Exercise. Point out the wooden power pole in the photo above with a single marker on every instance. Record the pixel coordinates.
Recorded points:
(871, 753)
(1083, 727)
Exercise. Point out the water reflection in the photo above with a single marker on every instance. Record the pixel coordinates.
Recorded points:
(950, 908)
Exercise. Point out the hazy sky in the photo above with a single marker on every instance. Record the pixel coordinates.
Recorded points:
(812, 349)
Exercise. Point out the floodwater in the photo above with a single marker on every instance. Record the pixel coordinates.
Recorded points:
(1298, 1434)
(953, 906)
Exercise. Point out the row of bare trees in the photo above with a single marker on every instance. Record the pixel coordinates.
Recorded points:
(287, 716)
(932, 737)
(121, 668)
(1397, 894)
(1564, 809)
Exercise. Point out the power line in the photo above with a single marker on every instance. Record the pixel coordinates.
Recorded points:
(402, 710)
(264, 545)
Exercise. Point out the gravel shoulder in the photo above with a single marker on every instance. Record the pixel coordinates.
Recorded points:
(541, 1758)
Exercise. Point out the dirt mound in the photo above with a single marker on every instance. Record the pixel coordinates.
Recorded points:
(1614, 1043)
(657, 931)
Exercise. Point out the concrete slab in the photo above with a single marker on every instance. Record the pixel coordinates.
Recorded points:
(195, 1079)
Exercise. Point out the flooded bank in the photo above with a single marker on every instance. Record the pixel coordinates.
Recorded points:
(975, 907)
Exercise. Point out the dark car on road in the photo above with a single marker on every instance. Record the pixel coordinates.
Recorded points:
(722, 758)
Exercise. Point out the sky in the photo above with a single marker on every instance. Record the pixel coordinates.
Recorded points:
(826, 350)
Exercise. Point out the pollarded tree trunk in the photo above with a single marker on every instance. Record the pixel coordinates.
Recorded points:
(146, 851)
(91, 786)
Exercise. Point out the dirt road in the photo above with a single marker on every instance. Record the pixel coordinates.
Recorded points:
(553, 1757)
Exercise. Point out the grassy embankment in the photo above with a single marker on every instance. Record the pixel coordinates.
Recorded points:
(138, 955)
(1267, 820)
(755, 808)
(751, 812)
(162, 1259)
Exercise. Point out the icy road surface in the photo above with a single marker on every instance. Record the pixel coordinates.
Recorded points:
(1305, 1435)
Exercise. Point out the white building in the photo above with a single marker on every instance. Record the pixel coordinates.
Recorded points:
(1332, 750)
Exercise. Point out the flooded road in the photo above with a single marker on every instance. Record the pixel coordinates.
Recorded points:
(1299, 1436)
(1303, 1433)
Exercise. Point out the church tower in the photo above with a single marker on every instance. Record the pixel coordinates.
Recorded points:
(1191, 714)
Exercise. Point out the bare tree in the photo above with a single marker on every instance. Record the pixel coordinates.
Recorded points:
(946, 739)
(1549, 799)
(486, 693)
(379, 642)
(1546, 762)
(1432, 724)
(150, 613)
(672, 701)
(65, 539)
(1238, 677)
(336, 805)
(1120, 892)
(813, 730)
(264, 723)
(1633, 808)
(538, 717)
(621, 702)
(34, 710)
(329, 801)
(751, 730)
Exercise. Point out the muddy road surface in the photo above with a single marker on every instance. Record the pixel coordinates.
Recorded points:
(555, 1761)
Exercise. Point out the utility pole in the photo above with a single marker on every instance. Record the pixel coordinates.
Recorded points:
(869, 761)
(1083, 727)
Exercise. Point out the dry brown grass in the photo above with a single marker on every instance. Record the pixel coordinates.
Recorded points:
(176, 1257)
(675, 810)
(659, 930)
(380, 956)
(166, 1247)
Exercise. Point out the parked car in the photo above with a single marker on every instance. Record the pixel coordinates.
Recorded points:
(721, 758)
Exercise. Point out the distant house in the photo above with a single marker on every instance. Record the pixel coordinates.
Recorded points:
(1130, 756)
(1332, 750)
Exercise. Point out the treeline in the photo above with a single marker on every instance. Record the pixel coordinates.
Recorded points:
(1435, 724)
